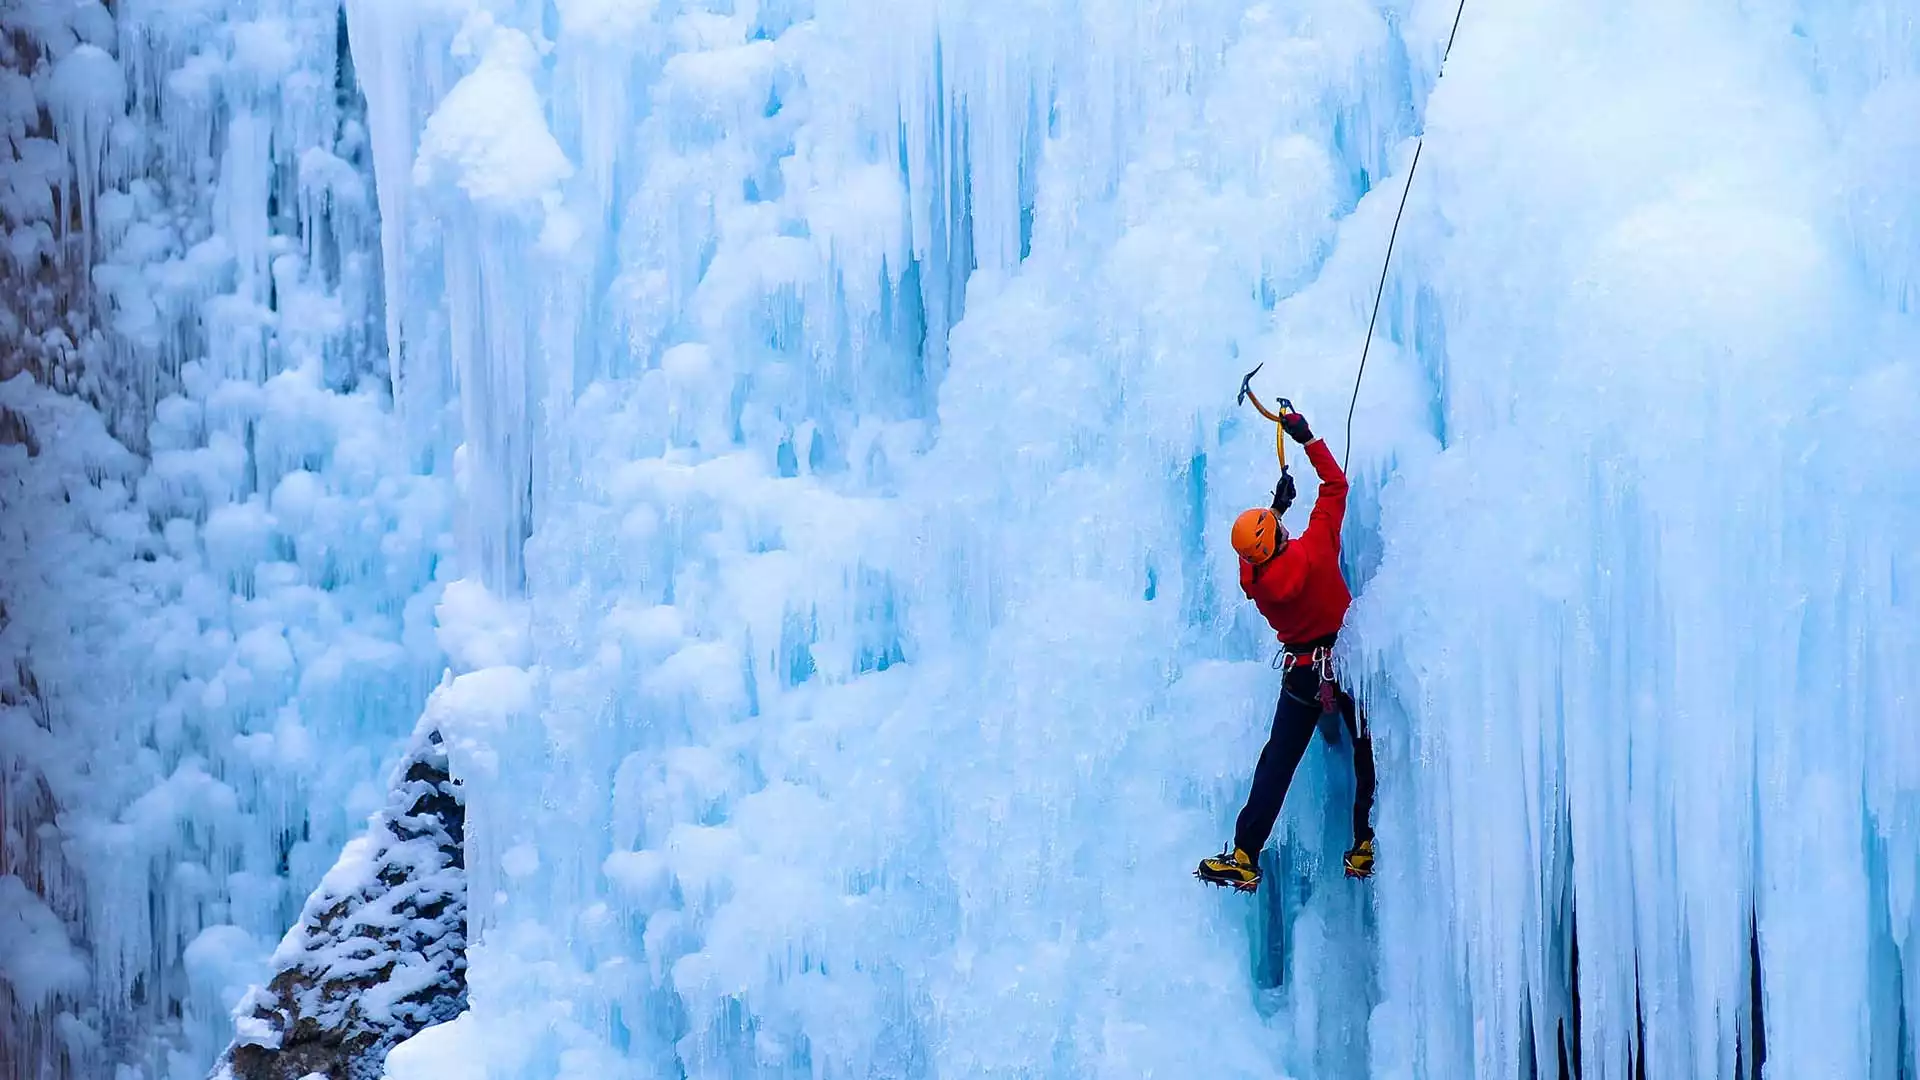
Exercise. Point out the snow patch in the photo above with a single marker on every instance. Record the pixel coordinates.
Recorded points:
(37, 961)
(489, 135)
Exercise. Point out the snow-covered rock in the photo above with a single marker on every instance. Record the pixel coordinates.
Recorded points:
(379, 952)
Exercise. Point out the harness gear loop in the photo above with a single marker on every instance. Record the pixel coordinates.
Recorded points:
(1320, 659)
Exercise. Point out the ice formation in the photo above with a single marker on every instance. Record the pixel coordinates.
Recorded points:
(220, 562)
(802, 433)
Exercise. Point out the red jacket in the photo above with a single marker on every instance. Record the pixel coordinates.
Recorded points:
(1300, 590)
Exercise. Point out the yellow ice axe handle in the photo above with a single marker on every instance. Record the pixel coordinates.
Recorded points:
(1279, 433)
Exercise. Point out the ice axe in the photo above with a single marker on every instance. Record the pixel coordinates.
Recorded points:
(1279, 432)
(1248, 394)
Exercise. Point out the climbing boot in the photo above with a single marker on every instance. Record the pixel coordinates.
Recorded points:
(1360, 860)
(1233, 868)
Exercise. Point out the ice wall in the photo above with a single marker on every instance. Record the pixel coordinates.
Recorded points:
(219, 569)
(860, 377)
(834, 403)
(1643, 626)
(847, 676)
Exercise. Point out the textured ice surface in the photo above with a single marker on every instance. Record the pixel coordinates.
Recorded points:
(217, 560)
(872, 448)
(831, 404)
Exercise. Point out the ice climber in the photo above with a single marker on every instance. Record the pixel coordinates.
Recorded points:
(1297, 585)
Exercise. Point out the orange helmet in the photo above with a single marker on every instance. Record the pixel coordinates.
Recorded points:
(1255, 535)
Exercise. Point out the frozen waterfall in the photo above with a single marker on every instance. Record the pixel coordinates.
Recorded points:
(784, 450)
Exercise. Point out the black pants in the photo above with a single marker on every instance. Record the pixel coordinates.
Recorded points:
(1294, 721)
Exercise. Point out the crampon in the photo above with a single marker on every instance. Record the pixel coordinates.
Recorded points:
(1232, 869)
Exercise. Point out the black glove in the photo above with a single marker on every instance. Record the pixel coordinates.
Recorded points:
(1283, 493)
(1296, 428)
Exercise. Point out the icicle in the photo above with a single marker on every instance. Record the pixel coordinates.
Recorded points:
(85, 97)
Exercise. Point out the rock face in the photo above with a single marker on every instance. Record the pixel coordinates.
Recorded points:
(379, 952)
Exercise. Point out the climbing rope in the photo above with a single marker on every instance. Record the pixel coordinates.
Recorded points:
(1380, 290)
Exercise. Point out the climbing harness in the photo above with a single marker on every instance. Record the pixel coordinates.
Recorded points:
(1327, 695)
(1320, 659)
(1380, 290)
